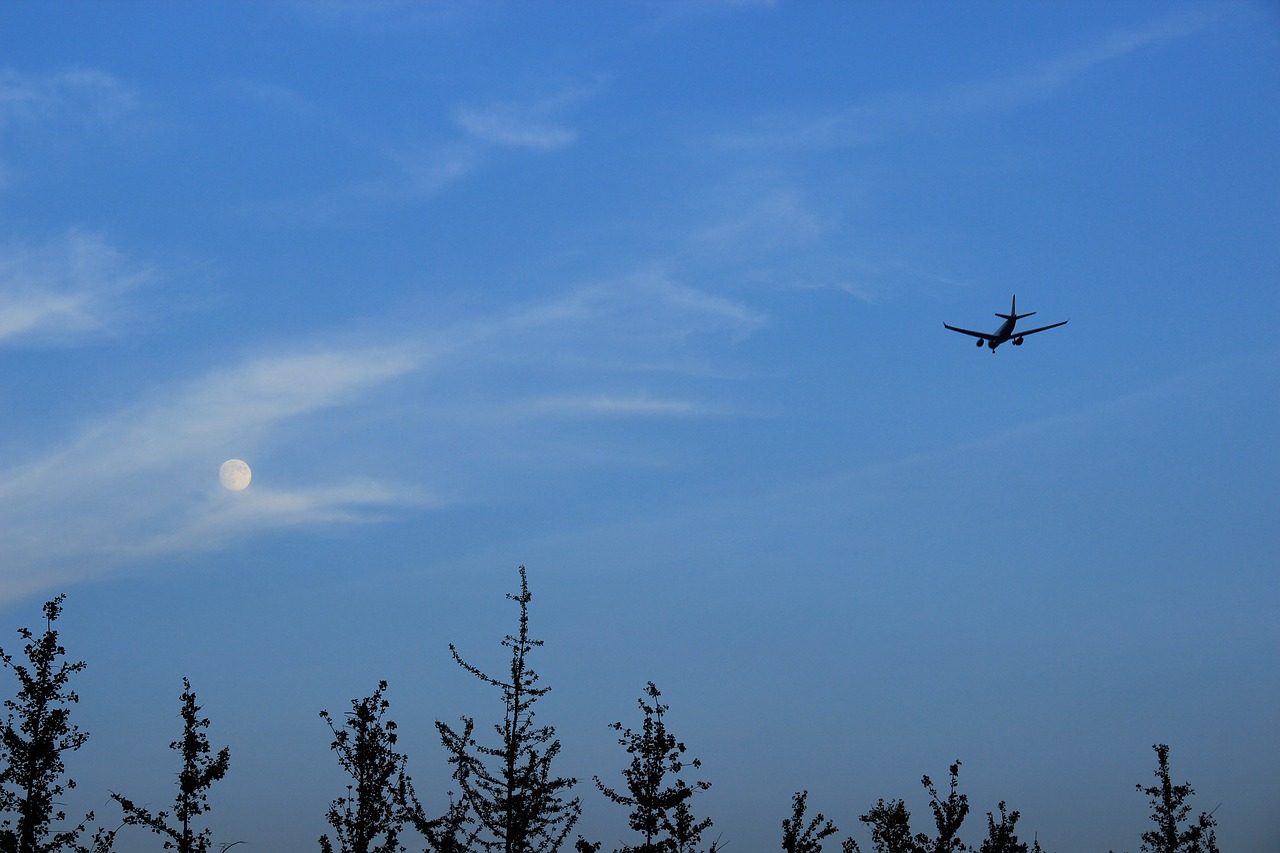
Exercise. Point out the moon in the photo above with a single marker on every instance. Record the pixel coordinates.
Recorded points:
(235, 475)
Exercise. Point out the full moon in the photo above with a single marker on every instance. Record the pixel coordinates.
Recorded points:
(235, 475)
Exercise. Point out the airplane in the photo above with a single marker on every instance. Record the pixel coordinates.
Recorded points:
(1005, 332)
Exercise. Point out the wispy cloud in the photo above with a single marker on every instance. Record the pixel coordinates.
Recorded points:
(510, 128)
(408, 171)
(83, 95)
(78, 101)
(531, 123)
(66, 291)
(872, 120)
(384, 16)
(1048, 78)
(608, 405)
(143, 480)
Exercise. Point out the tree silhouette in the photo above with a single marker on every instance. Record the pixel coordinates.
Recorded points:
(891, 822)
(375, 800)
(1000, 836)
(797, 837)
(509, 788)
(891, 828)
(33, 737)
(199, 772)
(659, 810)
(1169, 808)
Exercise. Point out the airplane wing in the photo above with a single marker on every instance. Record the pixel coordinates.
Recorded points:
(974, 334)
(1018, 333)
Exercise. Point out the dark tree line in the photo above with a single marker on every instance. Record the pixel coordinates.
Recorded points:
(506, 796)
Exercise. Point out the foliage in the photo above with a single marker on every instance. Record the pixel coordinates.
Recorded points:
(891, 822)
(659, 811)
(517, 804)
(1001, 837)
(199, 772)
(375, 800)
(799, 838)
(1169, 808)
(891, 828)
(33, 738)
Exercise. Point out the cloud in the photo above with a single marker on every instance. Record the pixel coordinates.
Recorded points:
(66, 291)
(525, 124)
(1048, 78)
(642, 314)
(414, 170)
(871, 121)
(142, 480)
(378, 17)
(510, 129)
(82, 96)
(607, 405)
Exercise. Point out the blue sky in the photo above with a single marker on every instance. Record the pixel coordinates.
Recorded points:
(649, 298)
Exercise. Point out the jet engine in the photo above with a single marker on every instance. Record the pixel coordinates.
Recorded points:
(1017, 342)
(981, 342)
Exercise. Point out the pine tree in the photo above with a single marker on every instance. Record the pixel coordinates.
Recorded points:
(509, 788)
(375, 802)
(33, 738)
(1169, 808)
(199, 772)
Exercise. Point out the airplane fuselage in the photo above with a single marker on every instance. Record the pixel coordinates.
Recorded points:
(1002, 334)
(1007, 331)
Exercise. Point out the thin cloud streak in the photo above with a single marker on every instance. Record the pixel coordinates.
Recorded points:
(80, 95)
(141, 482)
(411, 171)
(870, 122)
(508, 129)
(84, 507)
(609, 405)
(65, 292)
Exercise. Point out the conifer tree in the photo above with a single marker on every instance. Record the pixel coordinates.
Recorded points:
(199, 772)
(377, 796)
(509, 789)
(33, 737)
(659, 807)
(1169, 808)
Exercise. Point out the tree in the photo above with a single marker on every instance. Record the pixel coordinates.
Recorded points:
(33, 738)
(199, 772)
(948, 814)
(891, 828)
(1169, 808)
(376, 799)
(517, 803)
(1000, 836)
(891, 822)
(659, 810)
(799, 838)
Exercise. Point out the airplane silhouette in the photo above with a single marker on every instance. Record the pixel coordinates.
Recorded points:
(1005, 332)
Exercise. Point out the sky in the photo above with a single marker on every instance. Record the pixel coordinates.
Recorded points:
(648, 297)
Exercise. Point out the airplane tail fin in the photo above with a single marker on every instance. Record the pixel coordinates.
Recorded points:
(1013, 311)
